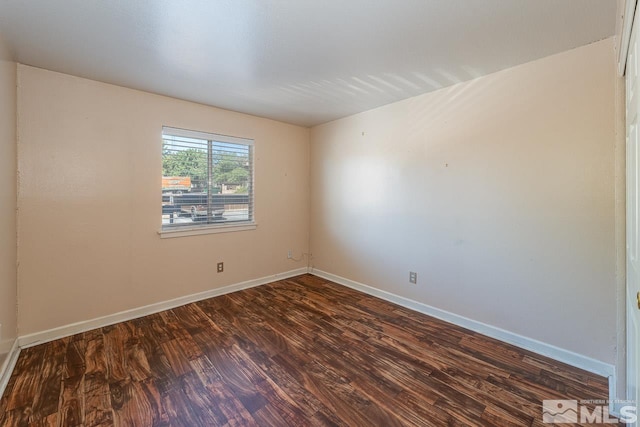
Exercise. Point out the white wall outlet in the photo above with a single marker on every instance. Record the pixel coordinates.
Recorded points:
(413, 277)
(289, 254)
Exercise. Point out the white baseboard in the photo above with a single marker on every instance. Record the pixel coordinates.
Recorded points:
(566, 356)
(7, 366)
(562, 355)
(31, 340)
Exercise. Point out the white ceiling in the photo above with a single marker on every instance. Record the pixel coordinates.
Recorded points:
(299, 61)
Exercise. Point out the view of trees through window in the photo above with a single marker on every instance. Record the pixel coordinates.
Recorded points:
(228, 168)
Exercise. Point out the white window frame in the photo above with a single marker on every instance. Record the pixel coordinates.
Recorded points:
(194, 230)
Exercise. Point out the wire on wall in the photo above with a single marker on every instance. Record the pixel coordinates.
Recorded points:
(302, 257)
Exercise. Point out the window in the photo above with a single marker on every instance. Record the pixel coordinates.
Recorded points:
(207, 180)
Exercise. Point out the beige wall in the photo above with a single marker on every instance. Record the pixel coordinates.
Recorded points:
(7, 199)
(498, 192)
(89, 159)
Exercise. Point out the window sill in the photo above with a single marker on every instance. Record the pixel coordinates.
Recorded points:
(211, 229)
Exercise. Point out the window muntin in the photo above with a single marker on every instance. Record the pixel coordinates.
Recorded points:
(207, 180)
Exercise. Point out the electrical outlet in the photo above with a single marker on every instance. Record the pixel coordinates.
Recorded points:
(289, 254)
(220, 267)
(413, 277)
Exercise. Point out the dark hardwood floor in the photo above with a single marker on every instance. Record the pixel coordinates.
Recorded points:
(302, 351)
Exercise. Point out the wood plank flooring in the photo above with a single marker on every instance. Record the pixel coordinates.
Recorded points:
(297, 352)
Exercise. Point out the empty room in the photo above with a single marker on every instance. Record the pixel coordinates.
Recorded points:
(319, 213)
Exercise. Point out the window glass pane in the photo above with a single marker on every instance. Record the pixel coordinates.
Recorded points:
(232, 176)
